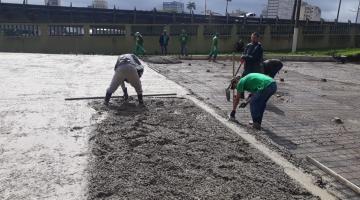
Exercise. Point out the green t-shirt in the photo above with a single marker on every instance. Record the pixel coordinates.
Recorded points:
(215, 41)
(254, 82)
(183, 38)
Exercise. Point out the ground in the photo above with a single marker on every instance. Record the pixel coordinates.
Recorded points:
(300, 118)
(172, 149)
(47, 144)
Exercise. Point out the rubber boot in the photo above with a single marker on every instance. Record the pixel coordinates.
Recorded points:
(126, 96)
(140, 99)
(107, 98)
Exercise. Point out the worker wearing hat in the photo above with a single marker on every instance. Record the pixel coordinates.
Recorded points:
(128, 68)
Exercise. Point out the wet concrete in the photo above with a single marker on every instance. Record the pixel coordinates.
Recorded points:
(171, 149)
(299, 119)
(43, 139)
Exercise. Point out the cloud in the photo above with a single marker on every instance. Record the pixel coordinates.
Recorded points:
(328, 7)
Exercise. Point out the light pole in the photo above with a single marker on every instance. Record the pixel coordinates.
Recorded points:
(337, 17)
(226, 12)
(296, 27)
(205, 8)
(357, 15)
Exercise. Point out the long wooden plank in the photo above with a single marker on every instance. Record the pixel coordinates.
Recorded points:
(330, 172)
(145, 95)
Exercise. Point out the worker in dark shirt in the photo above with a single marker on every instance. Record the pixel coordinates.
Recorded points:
(252, 57)
(272, 67)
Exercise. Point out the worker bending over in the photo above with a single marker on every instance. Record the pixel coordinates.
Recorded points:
(262, 87)
(128, 68)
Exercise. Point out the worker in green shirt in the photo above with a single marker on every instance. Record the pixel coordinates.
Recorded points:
(214, 48)
(183, 38)
(262, 87)
(139, 45)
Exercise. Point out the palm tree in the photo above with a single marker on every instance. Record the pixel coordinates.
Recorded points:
(191, 6)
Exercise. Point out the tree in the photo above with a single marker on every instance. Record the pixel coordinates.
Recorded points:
(191, 6)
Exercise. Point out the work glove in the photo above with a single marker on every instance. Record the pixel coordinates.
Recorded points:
(232, 114)
(243, 105)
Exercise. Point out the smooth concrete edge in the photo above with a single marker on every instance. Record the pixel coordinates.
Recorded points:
(305, 180)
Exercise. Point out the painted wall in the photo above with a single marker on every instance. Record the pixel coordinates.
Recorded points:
(279, 39)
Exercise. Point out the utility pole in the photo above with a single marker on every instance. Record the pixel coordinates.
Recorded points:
(357, 15)
(296, 27)
(226, 12)
(337, 17)
(294, 11)
(205, 8)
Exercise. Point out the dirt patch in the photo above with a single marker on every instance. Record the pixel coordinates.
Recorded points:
(172, 149)
(162, 59)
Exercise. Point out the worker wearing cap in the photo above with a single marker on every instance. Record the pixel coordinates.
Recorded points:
(139, 45)
(262, 87)
(214, 48)
(128, 68)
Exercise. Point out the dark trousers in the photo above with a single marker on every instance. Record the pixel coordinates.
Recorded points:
(163, 50)
(183, 50)
(259, 100)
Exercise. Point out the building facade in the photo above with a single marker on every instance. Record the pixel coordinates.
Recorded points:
(282, 9)
(310, 12)
(173, 6)
(52, 2)
(100, 4)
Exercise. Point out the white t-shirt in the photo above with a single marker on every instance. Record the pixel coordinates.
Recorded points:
(129, 59)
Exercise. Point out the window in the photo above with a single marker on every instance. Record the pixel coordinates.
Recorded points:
(64, 30)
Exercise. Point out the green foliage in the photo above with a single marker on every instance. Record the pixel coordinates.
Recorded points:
(320, 52)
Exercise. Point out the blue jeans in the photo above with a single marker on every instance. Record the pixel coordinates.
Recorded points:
(183, 50)
(258, 102)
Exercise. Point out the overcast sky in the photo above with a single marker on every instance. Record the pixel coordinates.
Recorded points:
(328, 7)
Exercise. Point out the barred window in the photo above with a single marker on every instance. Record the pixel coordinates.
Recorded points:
(222, 30)
(281, 30)
(65, 30)
(107, 30)
(189, 29)
(313, 30)
(340, 29)
(152, 30)
(20, 30)
(247, 30)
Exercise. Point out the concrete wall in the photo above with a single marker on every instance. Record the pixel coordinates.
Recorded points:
(274, 37)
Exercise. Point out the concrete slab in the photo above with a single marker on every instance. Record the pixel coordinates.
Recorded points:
(300, 119)
(43, 139)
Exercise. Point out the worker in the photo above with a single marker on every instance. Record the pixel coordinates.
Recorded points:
(262, 87)
(214, 48)
(139, 45)
(272, 67)
(184, 38)
(128, 68)
(252, 57)
(164, 41)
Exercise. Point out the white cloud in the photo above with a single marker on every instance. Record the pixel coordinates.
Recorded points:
(328, 7)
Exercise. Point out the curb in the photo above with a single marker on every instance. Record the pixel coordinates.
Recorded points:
(294, 58)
